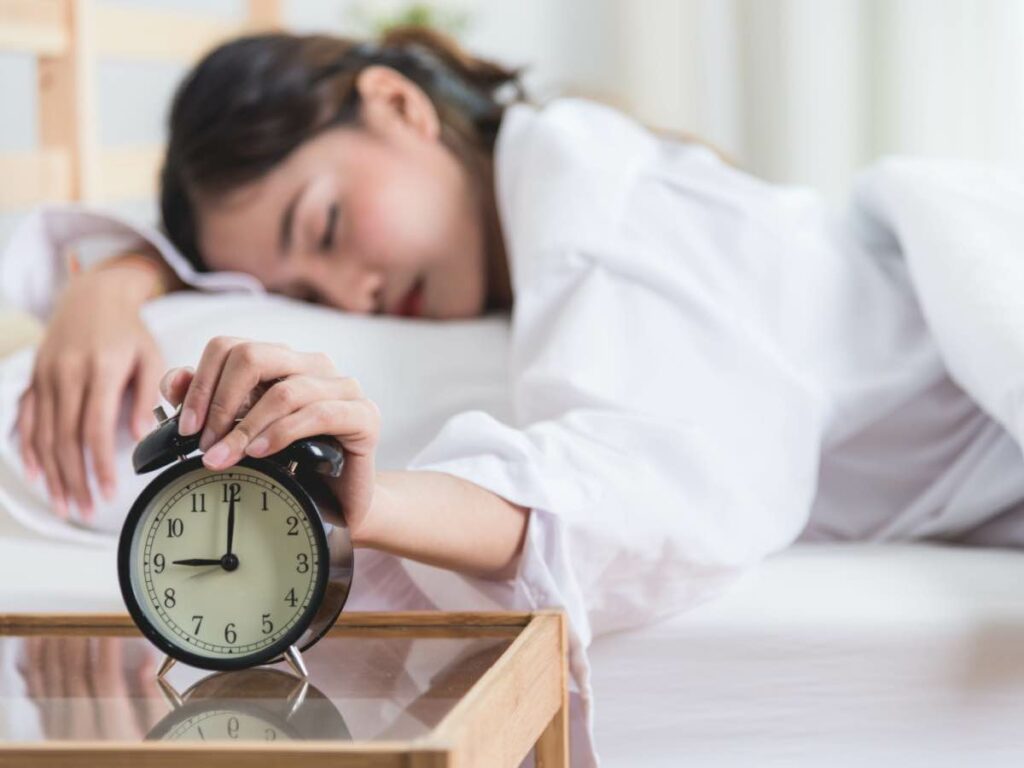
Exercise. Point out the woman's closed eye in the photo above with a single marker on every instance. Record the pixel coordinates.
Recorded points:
(327, 239)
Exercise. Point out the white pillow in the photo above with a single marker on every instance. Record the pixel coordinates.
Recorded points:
(419, 372)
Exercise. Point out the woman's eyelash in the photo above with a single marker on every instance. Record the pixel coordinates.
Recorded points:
(328, 237)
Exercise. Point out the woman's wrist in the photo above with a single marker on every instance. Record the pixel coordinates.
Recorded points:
(444, 521)
(141, 275)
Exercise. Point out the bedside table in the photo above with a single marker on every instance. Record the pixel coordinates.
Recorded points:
(418, 689)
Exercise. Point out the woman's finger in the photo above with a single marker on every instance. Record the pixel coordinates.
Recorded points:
(197, 399)
(175, 383)
(42, 442)
(281, 399)
(355, 423)
(25, 425)
(248, 365)
(99, 422)
(70, 448)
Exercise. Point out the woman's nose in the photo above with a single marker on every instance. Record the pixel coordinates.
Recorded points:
(347, 284)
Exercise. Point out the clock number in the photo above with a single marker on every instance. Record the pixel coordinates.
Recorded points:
(269, 734)
(303, 562)
(159, 562)
(198, 502)
(233, 727)
(232, 492)
(293, 525)
(229, 634)
(264, 502)
(169, 599)
(199, 622)
(290, 597)
(175, 527)
(268, 625)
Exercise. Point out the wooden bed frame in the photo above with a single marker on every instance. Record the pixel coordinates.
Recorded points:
(67, 37)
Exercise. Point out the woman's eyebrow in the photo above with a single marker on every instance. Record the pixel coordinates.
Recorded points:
(286, 224)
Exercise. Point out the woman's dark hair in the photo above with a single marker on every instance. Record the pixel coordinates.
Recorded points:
(249, 103)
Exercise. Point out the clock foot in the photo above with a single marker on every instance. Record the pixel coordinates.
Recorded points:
(165, 667)
(294, 659)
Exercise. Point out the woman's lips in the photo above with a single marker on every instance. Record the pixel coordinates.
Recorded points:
(411, 303)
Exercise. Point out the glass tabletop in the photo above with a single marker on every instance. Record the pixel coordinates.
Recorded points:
(360, 688)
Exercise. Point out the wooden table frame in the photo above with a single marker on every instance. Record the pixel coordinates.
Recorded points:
(520, 702)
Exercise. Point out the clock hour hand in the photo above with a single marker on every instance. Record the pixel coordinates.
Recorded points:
(197, 561)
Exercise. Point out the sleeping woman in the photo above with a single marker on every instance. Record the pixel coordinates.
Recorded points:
(706, 367)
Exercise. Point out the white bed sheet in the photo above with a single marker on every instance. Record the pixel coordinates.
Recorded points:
(853, 655)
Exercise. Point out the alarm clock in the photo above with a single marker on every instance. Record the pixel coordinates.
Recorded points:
(233, 568)
(251, 705)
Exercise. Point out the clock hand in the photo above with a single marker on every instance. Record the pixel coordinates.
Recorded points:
(197, 561)
(231, 524)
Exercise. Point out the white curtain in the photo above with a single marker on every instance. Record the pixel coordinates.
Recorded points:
(807, 91)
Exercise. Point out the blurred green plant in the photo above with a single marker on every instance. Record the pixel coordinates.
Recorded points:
(376, 21)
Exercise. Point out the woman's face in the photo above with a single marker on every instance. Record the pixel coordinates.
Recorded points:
(379, 217)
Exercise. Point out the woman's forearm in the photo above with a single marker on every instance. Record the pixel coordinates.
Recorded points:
(443, 520)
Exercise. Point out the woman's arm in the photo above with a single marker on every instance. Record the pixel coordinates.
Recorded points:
(281, 396)
(142, 272)
(443, 520)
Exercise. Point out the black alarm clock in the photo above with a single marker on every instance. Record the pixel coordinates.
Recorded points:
(232, 568)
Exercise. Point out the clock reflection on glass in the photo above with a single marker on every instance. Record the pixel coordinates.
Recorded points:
(249, 705)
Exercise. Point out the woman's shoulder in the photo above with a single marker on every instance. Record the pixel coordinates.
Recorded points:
(569, 177)
(562, 170)
(573, 129)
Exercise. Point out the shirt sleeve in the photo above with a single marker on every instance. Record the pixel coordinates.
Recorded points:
(661, 445)
(35, 263)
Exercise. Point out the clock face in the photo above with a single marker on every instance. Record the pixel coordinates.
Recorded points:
(227, 603)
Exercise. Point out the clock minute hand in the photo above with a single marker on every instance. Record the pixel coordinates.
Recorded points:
(231, 524)
(196, 561)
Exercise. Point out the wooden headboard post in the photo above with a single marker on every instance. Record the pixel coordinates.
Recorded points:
(67, 37)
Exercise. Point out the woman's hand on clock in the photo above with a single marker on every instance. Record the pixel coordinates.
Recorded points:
(281, 396)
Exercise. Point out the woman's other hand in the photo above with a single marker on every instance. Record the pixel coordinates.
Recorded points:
(280, 395)
(96, 349)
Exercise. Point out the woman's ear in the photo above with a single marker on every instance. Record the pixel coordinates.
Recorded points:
(390, 100)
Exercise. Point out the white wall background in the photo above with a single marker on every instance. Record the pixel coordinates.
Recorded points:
(797, 91)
